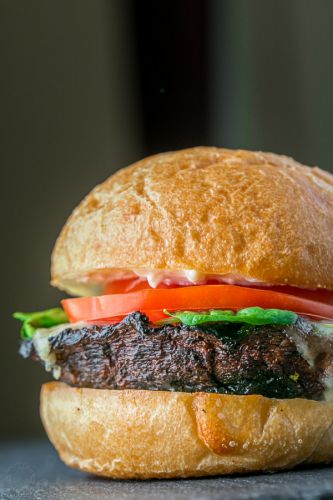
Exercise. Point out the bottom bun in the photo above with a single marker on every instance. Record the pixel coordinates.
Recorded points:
(146, 434)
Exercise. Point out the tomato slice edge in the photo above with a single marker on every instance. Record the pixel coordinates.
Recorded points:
(201, 297)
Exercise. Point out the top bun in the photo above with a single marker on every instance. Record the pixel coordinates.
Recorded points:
(258, 216)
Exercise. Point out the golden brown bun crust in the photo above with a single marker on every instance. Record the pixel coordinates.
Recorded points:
(259, 215)
(146, 434)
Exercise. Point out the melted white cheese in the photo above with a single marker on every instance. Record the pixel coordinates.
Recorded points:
(328, 393)
(310, 353)
(303, 349)
(42, 345)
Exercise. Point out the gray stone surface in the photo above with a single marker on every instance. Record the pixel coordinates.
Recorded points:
(32, 471)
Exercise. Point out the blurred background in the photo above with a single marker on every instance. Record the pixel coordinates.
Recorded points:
(89, 86)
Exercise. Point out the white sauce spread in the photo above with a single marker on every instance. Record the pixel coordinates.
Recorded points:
(154, 278)
(192, 277)
(95, 283)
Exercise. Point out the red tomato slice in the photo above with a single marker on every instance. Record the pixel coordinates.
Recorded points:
(319, 295)
(153, 301)
(135, 284)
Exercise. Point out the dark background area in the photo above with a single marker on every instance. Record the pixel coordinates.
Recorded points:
(89, 86)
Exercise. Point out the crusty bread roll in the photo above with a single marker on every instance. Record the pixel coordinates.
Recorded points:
(258, 215)
(146, 434)
(255, 216)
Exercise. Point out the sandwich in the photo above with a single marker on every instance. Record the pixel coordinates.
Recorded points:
(198, 338)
